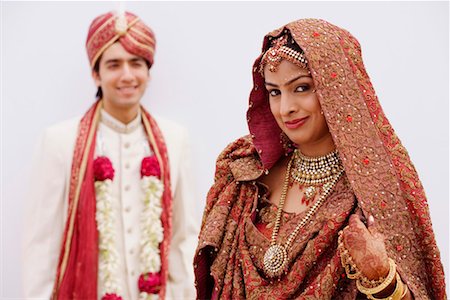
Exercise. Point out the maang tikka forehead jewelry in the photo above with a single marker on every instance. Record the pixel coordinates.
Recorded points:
(282, 49)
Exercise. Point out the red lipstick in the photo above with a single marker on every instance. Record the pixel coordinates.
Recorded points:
(294, 124)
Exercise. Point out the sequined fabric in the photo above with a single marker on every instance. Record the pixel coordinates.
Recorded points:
(233, 239)
(381, 182)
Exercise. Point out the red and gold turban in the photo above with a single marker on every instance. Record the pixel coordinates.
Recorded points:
(136, 37)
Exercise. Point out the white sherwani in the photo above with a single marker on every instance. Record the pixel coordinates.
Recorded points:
(126, 146)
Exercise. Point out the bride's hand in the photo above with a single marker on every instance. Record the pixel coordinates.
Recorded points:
(366, 246)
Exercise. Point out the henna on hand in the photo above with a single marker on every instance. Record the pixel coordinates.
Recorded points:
(367, 248)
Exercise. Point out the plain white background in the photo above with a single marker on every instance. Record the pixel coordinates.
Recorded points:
(202, 78)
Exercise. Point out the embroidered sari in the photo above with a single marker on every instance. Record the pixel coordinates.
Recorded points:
(379, 180)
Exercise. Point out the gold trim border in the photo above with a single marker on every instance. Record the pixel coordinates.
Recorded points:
(99, 29)
(143, 46)
(91, 133)
(143, 35)
(112, 41)
(153, 143)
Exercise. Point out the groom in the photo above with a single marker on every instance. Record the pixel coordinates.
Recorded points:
(110, 206)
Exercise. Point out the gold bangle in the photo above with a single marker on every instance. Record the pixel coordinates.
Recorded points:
(405, 290)
(396, 294)
(387, 281)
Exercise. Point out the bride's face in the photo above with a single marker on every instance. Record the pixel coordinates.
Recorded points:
(294, 104)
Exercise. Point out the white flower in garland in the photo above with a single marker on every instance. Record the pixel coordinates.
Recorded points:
(108, 256)
(152, 231)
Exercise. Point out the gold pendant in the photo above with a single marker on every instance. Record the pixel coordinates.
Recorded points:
(275, 261)
(310, 192)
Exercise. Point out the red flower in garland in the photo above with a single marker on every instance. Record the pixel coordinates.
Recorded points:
(150, 283)
(150, 167)
(113, 296)
(103, 169)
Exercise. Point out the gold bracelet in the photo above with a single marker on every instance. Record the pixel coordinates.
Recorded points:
(397, 294)
(387, 281)
(351, 269)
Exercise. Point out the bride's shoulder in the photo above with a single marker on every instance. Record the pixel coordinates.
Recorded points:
(240, 159)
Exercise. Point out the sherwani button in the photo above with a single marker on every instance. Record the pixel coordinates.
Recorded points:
(127, 165)
(129, 230)
(127, 187)
(131, 253)
(127, 145)
(127, 209)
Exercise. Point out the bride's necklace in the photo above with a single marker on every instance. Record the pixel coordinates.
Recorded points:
(312, 173)
(276, 257)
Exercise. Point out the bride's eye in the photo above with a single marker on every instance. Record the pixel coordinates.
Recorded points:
(302, 88)
(274, 92)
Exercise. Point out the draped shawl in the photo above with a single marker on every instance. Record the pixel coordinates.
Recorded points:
(377, 166)
(78, 262)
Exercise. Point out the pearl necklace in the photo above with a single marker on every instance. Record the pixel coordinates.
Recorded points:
(276, 257)
(315, 170)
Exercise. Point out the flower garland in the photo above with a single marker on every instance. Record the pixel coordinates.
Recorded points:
(152, 231)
